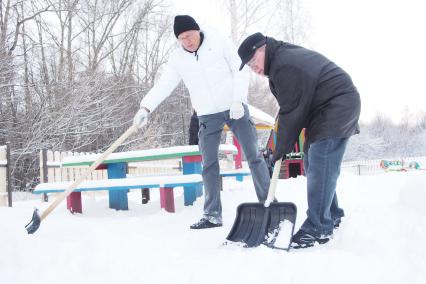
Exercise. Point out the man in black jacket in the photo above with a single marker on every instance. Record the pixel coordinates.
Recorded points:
(313, 93)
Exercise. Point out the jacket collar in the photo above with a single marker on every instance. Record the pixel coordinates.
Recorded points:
(271, 47)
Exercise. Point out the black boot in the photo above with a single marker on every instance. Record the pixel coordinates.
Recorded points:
(205, 224)
(304, 240)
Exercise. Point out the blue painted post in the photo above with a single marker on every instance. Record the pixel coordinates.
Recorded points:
(191, 165)
(199, 188)
(118, 198)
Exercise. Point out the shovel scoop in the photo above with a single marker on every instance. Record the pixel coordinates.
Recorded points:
(260, 223)
(33, 225)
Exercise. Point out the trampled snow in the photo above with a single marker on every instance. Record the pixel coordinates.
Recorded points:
(381, 239)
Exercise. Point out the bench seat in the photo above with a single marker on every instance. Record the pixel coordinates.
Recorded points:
(239, 175)
(235, 173)
(119, 202)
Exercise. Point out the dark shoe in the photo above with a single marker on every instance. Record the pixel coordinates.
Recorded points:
(337, 222)
(304, 240)
(205, 224)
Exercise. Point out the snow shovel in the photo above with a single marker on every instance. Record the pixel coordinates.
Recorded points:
(34, 224)
(258, 223)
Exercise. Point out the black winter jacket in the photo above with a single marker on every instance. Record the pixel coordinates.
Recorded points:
(312, 92)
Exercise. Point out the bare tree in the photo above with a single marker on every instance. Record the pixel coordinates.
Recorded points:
(74, 80)
(289, 21)
(245, 14)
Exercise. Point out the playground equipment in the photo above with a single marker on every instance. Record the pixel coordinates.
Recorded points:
(399, 165)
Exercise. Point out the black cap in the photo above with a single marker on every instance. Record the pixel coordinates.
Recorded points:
(184, 23)
(248, 47)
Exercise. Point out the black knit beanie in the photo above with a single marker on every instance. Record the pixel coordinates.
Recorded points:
(184, 23)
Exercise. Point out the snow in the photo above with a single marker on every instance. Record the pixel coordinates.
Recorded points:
(237, 171)
(193, 149)
(381, 239)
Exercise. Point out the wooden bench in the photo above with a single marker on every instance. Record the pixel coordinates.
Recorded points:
(116, 165)
(164, 183)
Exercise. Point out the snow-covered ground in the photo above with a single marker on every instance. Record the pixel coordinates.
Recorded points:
(381, 240)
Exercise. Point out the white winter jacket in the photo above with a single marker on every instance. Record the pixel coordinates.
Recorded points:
(211, 76)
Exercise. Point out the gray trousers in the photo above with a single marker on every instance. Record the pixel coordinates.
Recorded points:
(211, 127)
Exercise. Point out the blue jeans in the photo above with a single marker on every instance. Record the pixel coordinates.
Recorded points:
(322, 168)
(211, 127)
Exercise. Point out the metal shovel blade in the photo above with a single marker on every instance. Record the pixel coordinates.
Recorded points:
(34, 224)
(255, 222)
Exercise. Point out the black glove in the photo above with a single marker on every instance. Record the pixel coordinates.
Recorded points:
(278, 154)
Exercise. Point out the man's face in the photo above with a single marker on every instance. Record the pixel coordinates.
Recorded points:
(257, 62)
(190, 40)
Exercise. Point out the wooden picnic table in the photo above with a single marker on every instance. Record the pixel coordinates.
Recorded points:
(117, 164)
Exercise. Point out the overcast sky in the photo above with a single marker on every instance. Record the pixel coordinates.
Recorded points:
(380, 43)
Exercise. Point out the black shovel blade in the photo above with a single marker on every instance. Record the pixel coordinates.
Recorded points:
(34, 224)
(254, 222)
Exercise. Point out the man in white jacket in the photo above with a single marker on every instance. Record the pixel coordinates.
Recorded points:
(208, 64)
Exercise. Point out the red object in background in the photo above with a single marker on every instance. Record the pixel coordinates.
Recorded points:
(74, 202)
(239, 156)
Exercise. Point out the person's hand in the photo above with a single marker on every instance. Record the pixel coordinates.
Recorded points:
(278, 152)
(141, 117)
(236, 111)
(277, 156)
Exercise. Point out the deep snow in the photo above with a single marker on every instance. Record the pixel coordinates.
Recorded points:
(381, 239)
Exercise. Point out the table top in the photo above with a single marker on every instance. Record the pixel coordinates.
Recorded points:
(144, 155)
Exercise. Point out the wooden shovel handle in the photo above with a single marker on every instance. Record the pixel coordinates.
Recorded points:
(84, 176)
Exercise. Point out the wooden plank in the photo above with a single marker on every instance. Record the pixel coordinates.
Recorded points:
(3, 177)
(50, 171)
(9, 175)
(58, 173)
(64, 171)
(41, 164)
(70, 170)
(77, 171)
